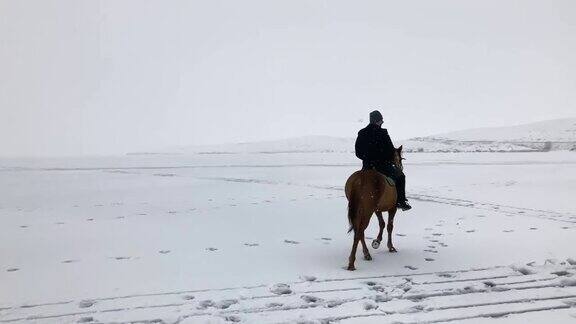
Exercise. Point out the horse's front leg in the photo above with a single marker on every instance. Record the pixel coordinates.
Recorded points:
(382, 224)
(390, 228)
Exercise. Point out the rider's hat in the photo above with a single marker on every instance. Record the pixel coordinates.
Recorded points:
(375, 116)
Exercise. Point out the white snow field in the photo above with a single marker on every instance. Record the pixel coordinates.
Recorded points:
(261, 238)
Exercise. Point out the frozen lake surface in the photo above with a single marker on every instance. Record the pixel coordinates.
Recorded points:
(257, 238)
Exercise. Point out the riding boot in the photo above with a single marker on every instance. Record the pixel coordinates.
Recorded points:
(401, 191)
(401, 187)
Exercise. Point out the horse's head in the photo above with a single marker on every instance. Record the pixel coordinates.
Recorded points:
(398, 158)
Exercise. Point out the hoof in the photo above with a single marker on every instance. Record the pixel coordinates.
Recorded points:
(351, 268)
(368, 257)
(392, 249)
(375, 244)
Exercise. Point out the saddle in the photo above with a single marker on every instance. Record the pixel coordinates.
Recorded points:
(372, 165)
(390, 181)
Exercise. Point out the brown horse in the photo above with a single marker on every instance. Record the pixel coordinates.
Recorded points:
(369, 192)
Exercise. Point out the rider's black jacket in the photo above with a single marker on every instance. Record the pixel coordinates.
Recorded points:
(374, 146)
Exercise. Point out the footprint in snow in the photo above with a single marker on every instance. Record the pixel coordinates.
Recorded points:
(382, 298)
(121, 258)
(211, 249)
(326, 238)
(471, 231)
(410, 267)
(508, 231)
(310, 299)
(370, 306)
(431, 251)
(445, 275)
(12, 269)
(291, 242)
(86, 303)
(561, 273)
(281, 289)
(70, 261)
(272, 305)
(188, 297)
(87, 319)
(164, 251)
(225, 304)
(23, 226)
(308, 278)
(533, 228)
(334, 303)
(59, 223)
(251, 244)
(89, 219)
(232, 318)
(205, 304)
(428, 259)
(490, 284)
(377, 288)
(437, 234)
(398, 234)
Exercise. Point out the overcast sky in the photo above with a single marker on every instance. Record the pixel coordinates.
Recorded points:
(108, 77)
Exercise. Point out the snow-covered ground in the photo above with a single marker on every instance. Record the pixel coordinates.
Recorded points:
(259, 238)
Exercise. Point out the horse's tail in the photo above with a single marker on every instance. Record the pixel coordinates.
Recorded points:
(352, 209)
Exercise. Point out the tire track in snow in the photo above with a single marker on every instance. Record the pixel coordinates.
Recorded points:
(191, 291)
(452, 319)
(494, 288)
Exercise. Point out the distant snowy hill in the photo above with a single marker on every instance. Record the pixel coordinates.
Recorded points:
(550, 130)
(557, 134)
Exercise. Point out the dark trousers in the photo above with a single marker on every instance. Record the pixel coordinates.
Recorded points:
(390, 170)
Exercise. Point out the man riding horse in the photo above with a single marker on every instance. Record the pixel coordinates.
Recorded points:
(374, 147)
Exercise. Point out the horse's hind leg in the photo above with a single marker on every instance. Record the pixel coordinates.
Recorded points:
(352, 257)
(360, 223)
(390, 227)
(367, 255)
(382, 224)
